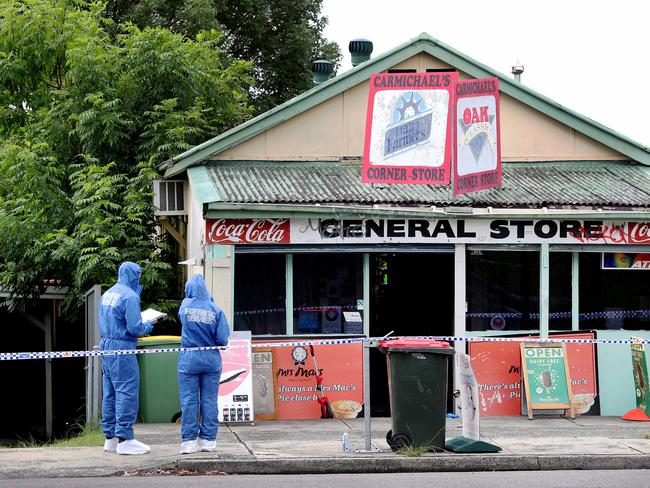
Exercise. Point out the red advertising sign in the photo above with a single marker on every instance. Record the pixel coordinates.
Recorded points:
(408, 128)
(247, 231)
(477, 143)
(342, 371)
(638, 232)
(497, 367)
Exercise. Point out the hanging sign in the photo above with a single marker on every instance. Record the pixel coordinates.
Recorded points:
(546, 377)
(408, 136)
(477, 144)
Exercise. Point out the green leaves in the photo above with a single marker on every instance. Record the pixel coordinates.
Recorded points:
(87, 109)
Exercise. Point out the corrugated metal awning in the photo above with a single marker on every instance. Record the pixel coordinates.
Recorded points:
(556, 184)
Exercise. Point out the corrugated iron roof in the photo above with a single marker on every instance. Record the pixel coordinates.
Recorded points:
(587, 183)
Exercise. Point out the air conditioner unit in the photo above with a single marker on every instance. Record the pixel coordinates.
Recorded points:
(169, 197)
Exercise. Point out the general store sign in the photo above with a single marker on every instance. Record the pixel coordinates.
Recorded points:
(408, 128)
(421, 231)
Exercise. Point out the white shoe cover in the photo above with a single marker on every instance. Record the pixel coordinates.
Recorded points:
(110, 445)
(188, 447)
(132, 447)
(207, 446)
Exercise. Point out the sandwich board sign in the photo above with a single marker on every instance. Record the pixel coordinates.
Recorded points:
(546, 377)
(477, 139)
(408, 128)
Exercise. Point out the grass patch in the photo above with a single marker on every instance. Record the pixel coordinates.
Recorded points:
(646, 436)
(88, 437)
(413, 451)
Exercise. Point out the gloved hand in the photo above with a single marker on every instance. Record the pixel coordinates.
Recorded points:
(148, 327)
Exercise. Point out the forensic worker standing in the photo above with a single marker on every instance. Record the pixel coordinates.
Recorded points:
(120, 325)
(199, 372)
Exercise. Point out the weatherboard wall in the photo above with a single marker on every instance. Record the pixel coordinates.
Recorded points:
(335, 128)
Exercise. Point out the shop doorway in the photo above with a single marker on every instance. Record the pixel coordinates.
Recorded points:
(411, 294)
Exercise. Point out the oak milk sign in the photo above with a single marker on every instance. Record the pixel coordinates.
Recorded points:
(477, 144)
(408, 128)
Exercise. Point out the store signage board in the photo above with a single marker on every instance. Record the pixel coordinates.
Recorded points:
(640, 373)
(626, 261)
(497, 367)
(477, 140)
(236, 383)
(341, 367)
(408, 128)
(433, 231)
(264, 383)
(546, 377)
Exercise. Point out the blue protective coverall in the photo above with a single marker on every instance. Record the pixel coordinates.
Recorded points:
(120, 325)
(199, 372)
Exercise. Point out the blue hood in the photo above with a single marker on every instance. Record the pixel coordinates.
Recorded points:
(129, 275)
(196, 288)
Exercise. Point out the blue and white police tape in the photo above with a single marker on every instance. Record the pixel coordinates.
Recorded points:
(531, 339)
(14, 356)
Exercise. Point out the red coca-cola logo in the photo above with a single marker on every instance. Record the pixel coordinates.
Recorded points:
(638, 232)
(247, 231)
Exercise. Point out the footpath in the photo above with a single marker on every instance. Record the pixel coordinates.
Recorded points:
(302, 447)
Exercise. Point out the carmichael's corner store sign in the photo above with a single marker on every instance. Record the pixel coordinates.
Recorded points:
(414, 231)
(427, 128)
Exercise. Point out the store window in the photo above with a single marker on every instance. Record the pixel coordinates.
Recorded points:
(614, 291)
(260, 288)
(502, 290)
(559, 294)
(327, 291)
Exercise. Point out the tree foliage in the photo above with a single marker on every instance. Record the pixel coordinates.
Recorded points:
(88, 108)
(280, 37)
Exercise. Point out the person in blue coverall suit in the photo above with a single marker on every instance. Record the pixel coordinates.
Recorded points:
(120, 325)
(199, 372)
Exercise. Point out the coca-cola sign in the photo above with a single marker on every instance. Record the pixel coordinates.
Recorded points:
(247, 231)
(638, 232)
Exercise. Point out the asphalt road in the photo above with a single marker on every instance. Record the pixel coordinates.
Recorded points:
(529, 479)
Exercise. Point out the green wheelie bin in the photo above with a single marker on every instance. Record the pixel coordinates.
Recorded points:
(417, 383)
(159, 401)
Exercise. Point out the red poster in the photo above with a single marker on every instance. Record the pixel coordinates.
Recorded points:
(342, 371)
(408, 128)
(247, 231)
(497, 368)
(477, 146)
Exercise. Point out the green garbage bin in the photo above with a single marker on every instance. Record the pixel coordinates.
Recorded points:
(159, 400)
(417, 383)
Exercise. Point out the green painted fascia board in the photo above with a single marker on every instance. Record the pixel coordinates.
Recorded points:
(256, 210)
(202, 185)
(362, 72)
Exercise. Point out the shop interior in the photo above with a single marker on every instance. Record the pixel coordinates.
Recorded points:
(412, 294)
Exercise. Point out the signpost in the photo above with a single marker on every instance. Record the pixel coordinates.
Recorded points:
(546, 377)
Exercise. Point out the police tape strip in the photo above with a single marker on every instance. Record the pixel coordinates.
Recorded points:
(532, 339)
(13, 356)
